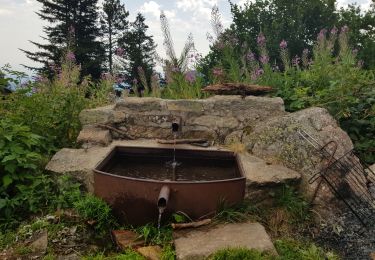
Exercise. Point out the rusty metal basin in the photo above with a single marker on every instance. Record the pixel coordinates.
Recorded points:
(129, 179)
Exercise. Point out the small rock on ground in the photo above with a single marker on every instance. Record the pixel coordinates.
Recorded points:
(125, 239)
(40, 243)
(150, 252)
(199, 244)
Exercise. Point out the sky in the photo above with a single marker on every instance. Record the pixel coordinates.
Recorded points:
(19, 24)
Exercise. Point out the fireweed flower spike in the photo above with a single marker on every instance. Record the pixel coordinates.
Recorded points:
(334, 30)
(120, 52)
(283, 44)
(264, 59)
(261, 39)
(322, 35)
(345, 29)
(70, 56)
(190, 76)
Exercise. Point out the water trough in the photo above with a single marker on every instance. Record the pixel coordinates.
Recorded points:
(135, 181)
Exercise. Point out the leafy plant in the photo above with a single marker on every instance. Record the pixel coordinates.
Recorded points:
(21, 156)
(153, 235)
(184, 86)
(168, 253)
(95, 211)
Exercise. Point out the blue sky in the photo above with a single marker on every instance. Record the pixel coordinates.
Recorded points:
(19, 23)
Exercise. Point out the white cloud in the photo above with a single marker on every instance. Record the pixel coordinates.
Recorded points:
(150, 7)
(5, 12)
(198, 7)
(155, 9)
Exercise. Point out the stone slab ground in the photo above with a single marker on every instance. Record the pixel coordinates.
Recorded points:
(198, 244)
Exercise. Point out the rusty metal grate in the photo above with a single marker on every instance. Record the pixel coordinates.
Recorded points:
(348, 178)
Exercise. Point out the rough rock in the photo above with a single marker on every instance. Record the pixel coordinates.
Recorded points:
(372, 167)
(150, 252)
(277, 141)
(201, 243)
(40, 243)
(125, 239)
(94, 135)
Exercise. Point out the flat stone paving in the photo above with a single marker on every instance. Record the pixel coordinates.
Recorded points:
(200, 243)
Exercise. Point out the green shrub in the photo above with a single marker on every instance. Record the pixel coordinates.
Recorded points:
(21, 185)
(335, 80)
(95, 210)
(180, 88)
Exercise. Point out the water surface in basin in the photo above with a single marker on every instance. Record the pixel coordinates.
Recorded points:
(158, 167)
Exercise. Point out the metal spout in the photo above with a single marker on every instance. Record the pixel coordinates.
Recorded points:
(176, 125)
(163, 198)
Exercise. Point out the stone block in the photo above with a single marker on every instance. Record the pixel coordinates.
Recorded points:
(259, 173)
(201, 243)
(94, 135)
(78, 162)
(215, 121)
(150, 252)
(195, 106)
(126, 239)
(100, 115)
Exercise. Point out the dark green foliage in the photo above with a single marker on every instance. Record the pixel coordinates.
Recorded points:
(297, 22)
(114, 25)
(72, 25)
(139, 52)
(362, 31)
(35, 121)
(21, 155)
(95, 210)
(51, 112)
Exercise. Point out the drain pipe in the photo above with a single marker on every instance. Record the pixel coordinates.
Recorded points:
(163, 198)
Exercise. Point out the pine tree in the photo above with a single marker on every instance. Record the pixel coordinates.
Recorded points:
(139, 52)
(72, 26)
(114, 25)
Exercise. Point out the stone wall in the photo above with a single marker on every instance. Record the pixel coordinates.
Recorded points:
(217, 118)
(260, 123)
